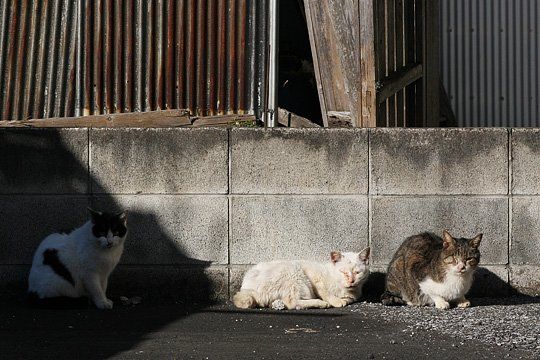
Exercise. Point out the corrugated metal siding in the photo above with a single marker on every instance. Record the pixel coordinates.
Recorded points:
(208, 56)
(489, 54)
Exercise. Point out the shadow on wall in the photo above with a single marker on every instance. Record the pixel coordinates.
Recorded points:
(45, 188)
(486, 285)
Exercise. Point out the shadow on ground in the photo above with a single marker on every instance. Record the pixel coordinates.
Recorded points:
(46, 187)
(486, 285)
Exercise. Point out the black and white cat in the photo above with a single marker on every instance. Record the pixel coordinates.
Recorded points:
(78, 264)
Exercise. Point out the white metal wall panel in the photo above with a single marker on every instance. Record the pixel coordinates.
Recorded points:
(489, 59)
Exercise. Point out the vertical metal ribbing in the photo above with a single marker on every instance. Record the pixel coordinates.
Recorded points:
(232, 58)
(200, 72)
(52, 54)
(81, 57)
(211, 44)
(68, 99)
(4, 11)
(118, 59)
(240, 105)
(149, 86)
(169, 76)
(159, 56)
(108, 56)
(180, 78)
(33, 36)
(128, 41)
(222, 57)
(191, 56)
(139, 58)
(20, 61)
(97, 69)
(10, 61)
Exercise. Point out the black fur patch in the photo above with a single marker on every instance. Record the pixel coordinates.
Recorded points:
(50, 257)
(103, 222)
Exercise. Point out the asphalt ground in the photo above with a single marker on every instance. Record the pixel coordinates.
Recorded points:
(359, 331)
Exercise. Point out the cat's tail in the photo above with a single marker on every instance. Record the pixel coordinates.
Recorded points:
(391, 299)
(245, 299)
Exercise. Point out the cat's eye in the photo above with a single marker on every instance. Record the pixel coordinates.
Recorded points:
(472, 261)
(449, 259)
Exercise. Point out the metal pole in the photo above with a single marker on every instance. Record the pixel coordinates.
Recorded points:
(273, 25)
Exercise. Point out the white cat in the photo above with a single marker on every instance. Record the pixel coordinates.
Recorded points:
(79, 263)
(301, 284)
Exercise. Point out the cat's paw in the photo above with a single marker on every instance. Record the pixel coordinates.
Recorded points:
(442, 304)
(464, 303)
(337, 302)
(105, 304)
(278, 304)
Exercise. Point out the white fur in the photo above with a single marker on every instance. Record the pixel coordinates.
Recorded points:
(304, 284)
(89, 260)
(454, 287)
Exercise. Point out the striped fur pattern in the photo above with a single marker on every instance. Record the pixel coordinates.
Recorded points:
(429, 270)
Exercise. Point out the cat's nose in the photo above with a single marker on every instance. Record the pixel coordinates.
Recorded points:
(461, 267)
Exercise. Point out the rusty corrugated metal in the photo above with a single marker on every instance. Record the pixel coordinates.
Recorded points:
(489, 52)
(79, 57)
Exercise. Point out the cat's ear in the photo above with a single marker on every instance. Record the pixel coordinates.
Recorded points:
(448, 240)
(475, 241)
(335, 256)
(364, 255)
(95, 214)
(122, 216)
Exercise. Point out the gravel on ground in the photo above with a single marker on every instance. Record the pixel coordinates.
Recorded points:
(511, 323)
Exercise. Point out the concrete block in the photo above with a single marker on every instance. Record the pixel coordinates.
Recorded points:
(525, 246)
(490, 281)
(396, 218)
(296, 227)
(28, 219)
(236, 275)
(525, 161)
(164, 284)
(526, 279)
(172, 229)
(44, 161)
(439, 161)
(159, 161)
(299, 161)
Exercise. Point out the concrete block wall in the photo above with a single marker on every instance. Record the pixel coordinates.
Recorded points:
(206, 203)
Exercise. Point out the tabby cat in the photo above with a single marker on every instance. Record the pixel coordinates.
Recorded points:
(429, 270)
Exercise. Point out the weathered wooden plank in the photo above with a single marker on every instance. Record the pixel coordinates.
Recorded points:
(380, 53)
(289, 119)
(341, 37)
(150, 119)
(223, 120)
(163, 118)
(367, 64)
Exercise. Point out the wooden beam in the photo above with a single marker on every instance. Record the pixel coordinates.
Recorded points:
(400, 80)
(367, 64)
(223, 120)
(155, 119)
